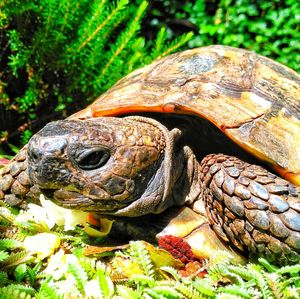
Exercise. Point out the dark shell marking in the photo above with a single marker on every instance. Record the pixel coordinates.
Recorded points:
(258, 211)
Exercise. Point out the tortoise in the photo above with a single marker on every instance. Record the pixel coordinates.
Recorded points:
(215, 129)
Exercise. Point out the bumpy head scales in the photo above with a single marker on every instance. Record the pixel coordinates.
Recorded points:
(101, 164)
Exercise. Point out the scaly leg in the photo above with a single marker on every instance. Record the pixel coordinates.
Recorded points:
(15, 186)
(254, 209)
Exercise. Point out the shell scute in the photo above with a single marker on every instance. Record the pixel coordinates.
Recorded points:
(252, 99)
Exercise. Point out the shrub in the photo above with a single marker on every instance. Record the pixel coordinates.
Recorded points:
(271, 28)
(59, 55)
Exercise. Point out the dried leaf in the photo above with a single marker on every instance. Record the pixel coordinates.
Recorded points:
(97, 250)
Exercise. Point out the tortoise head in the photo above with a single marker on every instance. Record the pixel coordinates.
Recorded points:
(109, 165)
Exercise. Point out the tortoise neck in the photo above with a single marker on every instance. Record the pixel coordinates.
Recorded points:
(188, 187)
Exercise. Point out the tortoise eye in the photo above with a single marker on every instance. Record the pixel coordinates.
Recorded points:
(93, 159)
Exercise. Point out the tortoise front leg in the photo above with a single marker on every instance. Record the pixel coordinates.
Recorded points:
(15, 185)
(252, 208)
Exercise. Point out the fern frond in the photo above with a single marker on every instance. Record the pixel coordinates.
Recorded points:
(227, 296)
(7, 215)
(105, 283)
(33, 272)
(79, 274)
(141, 255)
(128, 293)
(241, 271)
(139, 279)
(122, 41)
(113, 12)
(291, 293)
(293, 269)
(218, 272)
(3, 278)
(267, 265)
(17, 291)
(159, 43)
(204, 287)
(260, 278)
(48, 291)
(20, 272)
(16, 258)
(176, 43)
(3, 255)
(237, 291)
(171, 271)
(9, 244)
(163, 292)
(188, 291)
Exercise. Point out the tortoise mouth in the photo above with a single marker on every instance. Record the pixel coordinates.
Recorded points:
(77, 201)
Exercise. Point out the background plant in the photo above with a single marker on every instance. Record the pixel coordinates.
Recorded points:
(59, 55)
(271, 28)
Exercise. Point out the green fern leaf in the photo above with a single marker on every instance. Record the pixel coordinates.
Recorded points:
(175, 44)
(237, 291)
(17, 291)
(159, 43)
(33, 272)
(3, 255)
(113, 12)
(105, 283)
(79, 274)
(261, 281)
(293, 269)
(141, 254)
(128, 293)
(7, 215)
(171, 271)
(227, 296)
(188, 291)
(3, 278)
(142, 280)
(266, 264)
(204, 287)
(20, 272)
(16, 259)
(48, 291)
(122, 41)
(9, 244)
(163, 292)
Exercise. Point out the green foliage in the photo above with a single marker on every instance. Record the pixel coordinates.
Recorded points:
(59, 55)
(79, 274)
(67, 272)
(270, 28)
(141, 255)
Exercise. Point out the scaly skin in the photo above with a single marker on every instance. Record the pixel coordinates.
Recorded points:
(15, 186)
(146, 169)
(252, 208)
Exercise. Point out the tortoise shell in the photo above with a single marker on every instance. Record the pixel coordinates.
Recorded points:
(252, 99)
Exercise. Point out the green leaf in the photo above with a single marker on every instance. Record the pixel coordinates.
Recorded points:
(128, 293)
(3, 255)
(140, 253)
(79, 274)
(105, 283)
(9, 244)
(20, 272)
(161, 292)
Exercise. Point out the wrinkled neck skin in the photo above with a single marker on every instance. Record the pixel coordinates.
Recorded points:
(176, 182)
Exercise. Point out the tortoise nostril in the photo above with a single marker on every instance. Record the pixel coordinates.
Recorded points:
(34, 154)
